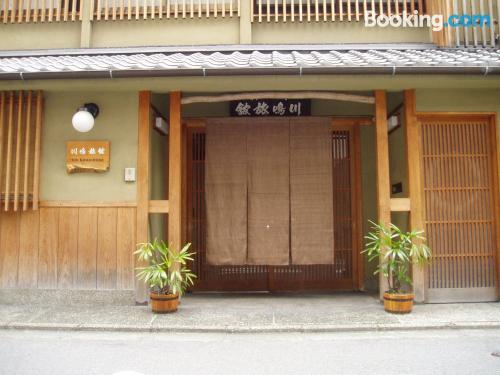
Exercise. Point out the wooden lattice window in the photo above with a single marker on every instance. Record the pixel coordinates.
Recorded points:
(20, 131)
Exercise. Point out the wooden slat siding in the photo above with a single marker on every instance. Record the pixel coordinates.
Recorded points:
(9, 249)
(106, 10)
(5, 10)
(99, 10)
(54, 233)
(28, 249)
(20, 11)
(13, 13)
(67, 254)
(87, 248)
(125, 247)
(43, 11)
(382, 159)
(460, 174)
(17, 148)
(28, 12)
(9, 151)
(36, 161)
(175, 172)
(143, 174)
(106, 248)
(415, 184)
(66, 10)
(19, 126)
(48, 244)
(27, 144)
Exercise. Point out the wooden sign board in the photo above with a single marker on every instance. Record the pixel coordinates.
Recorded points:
(87, 156)
(270, 108)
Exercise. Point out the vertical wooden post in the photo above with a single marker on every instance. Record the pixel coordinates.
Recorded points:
(413, 150)
(175, 172)
(246, 22)
(383, 177)
(86, 26)
(143, 151)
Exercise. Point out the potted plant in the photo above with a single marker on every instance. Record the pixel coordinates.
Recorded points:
(167, 274)
(396, 251)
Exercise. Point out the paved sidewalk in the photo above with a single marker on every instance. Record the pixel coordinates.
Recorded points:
(248, 313)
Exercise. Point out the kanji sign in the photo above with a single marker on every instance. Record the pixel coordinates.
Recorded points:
(87, 156)
(270, 107)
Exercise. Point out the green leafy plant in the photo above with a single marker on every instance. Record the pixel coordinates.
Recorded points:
(167, 272)
(396, 251)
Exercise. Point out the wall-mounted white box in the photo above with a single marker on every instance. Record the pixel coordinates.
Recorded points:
(129, 175)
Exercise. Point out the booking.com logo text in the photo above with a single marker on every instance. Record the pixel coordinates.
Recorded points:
(435, 21)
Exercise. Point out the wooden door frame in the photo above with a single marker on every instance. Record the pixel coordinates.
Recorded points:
(491, 117)
(352, 124)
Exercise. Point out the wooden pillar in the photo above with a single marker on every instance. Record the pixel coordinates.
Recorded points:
(86, 25)
(175, 172)
(143, 151)
(413, 150)
(383, 176)
(246, 22)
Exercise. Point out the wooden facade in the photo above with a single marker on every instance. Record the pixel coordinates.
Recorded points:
(452, 162)
(68, 245)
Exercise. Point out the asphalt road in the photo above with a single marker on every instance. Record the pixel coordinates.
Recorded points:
(422, 352)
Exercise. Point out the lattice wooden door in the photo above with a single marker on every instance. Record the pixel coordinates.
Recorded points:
(460, 185)
(339, 276)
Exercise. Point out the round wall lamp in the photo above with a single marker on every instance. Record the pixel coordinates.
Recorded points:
(83, 119)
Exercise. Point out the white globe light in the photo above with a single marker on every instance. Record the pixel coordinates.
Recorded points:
(83, 121)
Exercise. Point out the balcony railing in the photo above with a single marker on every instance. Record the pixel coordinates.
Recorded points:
(151, 9)
(329, 10)
(483, 31)
(18, 11)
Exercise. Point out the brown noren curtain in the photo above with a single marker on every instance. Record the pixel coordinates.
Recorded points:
(268, 192)
(311, 200)
(226, 192)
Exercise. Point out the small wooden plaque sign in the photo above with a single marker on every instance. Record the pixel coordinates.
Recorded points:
(87, 156)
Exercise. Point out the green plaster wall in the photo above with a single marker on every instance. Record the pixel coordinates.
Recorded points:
(39, 35)
(117, 122)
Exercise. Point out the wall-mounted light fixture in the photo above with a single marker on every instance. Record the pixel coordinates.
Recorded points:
(83, 119)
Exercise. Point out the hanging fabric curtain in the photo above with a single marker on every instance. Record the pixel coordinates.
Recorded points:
(311, 198)
(268, 192)
(226, 192)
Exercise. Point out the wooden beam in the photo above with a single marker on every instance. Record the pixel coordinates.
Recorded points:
(383, 176)
(326, 95)
(175, 172)
(143, 151)
(400, 205)
(86, 204)
(415, 186)
(158, 207)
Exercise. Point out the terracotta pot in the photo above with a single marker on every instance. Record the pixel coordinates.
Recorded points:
(398, 303)
(164, 303)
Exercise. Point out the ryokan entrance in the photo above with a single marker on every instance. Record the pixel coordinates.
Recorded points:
(341, 273)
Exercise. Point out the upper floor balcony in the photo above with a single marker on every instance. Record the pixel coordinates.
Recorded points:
(45, 24)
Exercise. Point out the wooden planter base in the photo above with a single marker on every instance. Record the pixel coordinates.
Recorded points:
(398, 303)
(164, 303)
